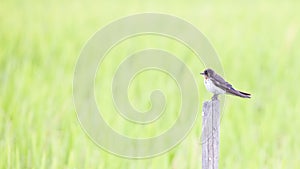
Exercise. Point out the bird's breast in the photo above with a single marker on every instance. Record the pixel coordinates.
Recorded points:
(212, 88)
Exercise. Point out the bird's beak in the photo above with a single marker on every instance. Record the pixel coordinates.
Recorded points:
(201, 73)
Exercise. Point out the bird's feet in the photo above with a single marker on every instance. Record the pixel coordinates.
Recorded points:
(215, 97)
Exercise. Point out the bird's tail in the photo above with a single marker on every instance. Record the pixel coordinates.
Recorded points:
(240, 93)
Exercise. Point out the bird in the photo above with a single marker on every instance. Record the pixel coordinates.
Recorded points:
(215, 84)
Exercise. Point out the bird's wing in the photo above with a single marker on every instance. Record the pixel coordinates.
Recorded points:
(221, 83)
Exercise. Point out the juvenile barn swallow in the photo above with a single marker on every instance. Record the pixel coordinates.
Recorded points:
(215, 84)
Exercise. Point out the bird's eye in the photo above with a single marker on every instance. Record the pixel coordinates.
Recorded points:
(205, 72)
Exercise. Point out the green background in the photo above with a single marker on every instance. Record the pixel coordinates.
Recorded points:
(258, 46)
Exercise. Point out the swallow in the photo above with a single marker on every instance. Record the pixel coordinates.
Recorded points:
(215, 84)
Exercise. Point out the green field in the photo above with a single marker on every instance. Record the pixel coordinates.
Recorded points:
(258, 46)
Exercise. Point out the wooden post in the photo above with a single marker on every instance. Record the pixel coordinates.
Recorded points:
(210, 134)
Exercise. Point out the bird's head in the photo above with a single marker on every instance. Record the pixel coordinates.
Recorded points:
(208, 73)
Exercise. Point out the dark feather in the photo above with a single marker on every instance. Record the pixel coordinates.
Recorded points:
(238, 93)
(245, 93)
(221, 83)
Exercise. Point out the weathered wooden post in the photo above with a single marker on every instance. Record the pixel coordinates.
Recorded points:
(210, 134)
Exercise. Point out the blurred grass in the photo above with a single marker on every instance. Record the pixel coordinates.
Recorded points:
(257, 44)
